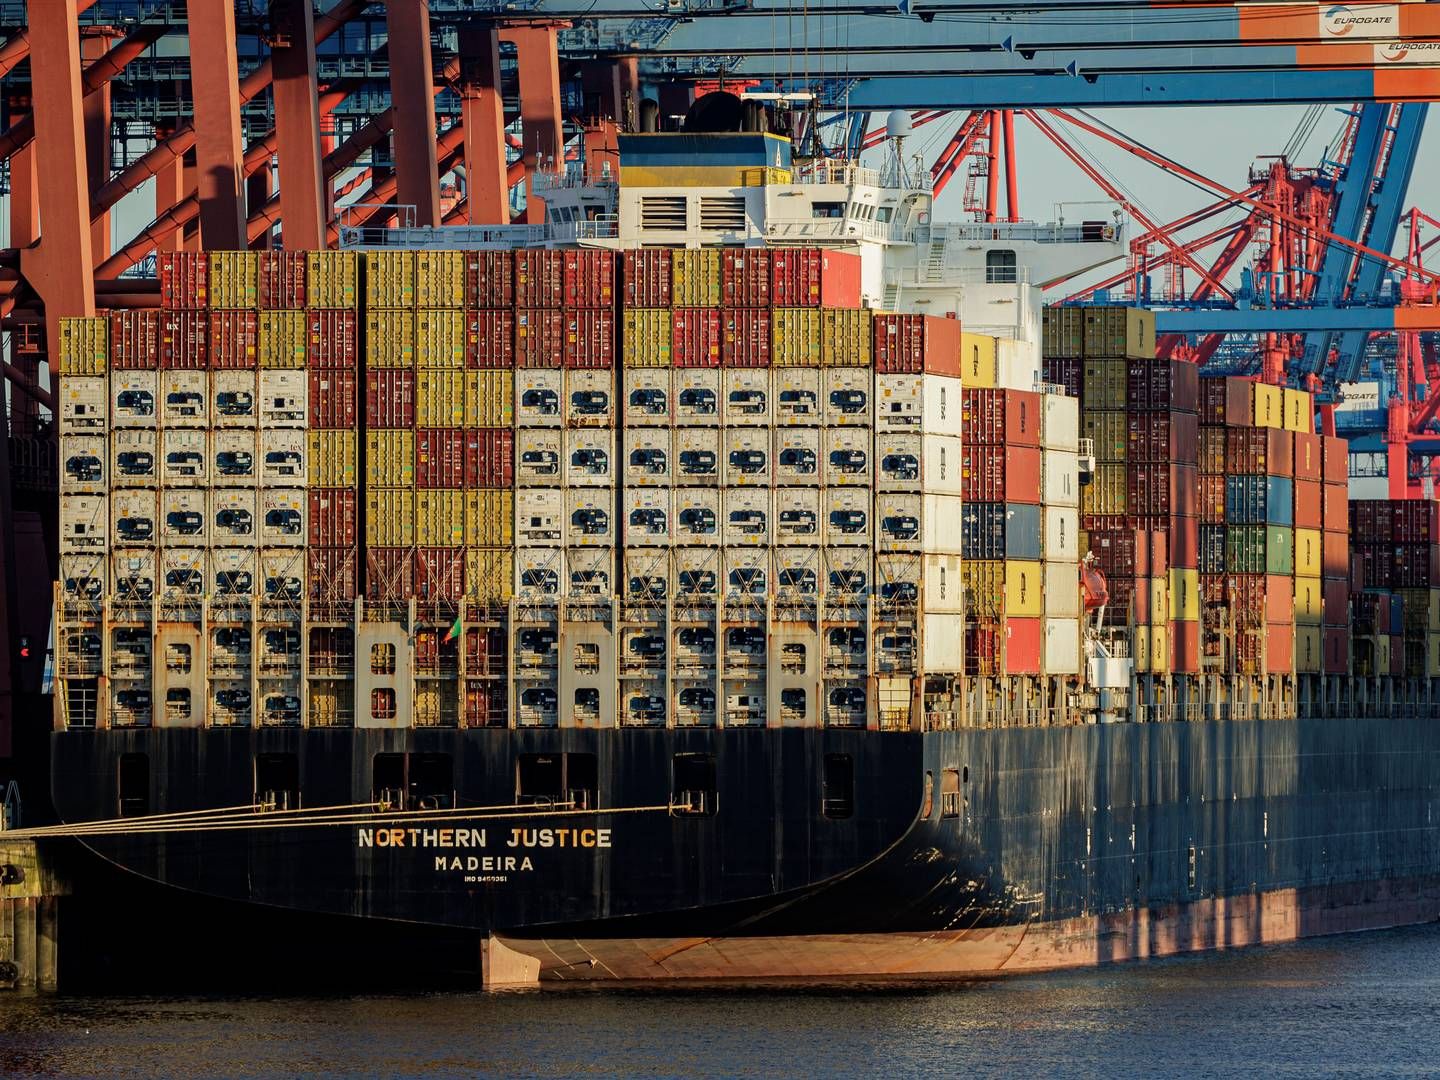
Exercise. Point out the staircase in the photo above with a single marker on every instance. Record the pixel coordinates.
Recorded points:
(935, 262)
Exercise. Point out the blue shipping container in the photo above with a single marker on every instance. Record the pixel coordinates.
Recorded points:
(1022, 531)
(982, 531)
(1259, 500)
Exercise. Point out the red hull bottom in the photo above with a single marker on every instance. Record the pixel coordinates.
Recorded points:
(1222, 923)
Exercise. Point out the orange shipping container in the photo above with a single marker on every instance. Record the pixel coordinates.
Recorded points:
(695, 337)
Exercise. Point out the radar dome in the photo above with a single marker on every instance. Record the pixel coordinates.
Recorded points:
(897, 125)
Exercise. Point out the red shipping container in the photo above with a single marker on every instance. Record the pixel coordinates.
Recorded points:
(1103, 522)
(485, 704)
(184, 280)
(1000, 417)
(746, 338)
(1212, 451)
(589, 338)
(1239, 402)
(1336, 601)
(1279, 646)
(1415, 521)
(1142, 600)
(489, 457)
(490, 339)
(233, 339)
(134, 340)
(1183, 542)
(333, 573)
(1309, 514)
(334, 339)
(1066, 373)
(1162, 386)
(1212, 401)
(1212, 499)
(440, 574)
(589, 278)
(982, 649)
(334, 516)
(647, 277)
(282, 280)
(1154, 489)
(1118, 552)
(539, 278)
(1335, 459)
(1377, 565)
(539, 338)
(1022, 475)
(695, 337)
(1357, 574)
(1335, 505)
(389, 573)
(1307, 457)
(334, 399)
(389, 399)
(1185, 646)
(1337, 651)
(1279, 598)
(184, 340)
(485, 651)
(1163, 436)
(912, 344)
(1022, 646)
(1259, 452)
(489, 279)
(1370, 521)
(813, 277)
(1416, 566)
(745, 277)
(1397, 655)
(439, 458)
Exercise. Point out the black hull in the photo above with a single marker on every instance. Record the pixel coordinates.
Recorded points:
(1053, 827)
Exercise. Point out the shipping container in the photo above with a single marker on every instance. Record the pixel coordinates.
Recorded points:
(440, 397)
(915, 344)
(282, 517)
(234, 339)
(1259, 451)
(489, 279)
(647, 397)
(745, 397)
(648, 456)
(847, 337)
(84, 579)
(1309, 601)
(389, 398)
(798, 456)
(184, 572)
(185, 517)
(1119, 332)
(84, 346)
(83, 464)
(977, 361)
(648, 516)
(233, 457)
(913, 522)
(1062, 533)
(389, 573)
(647, 276)
(185, 398)
(698, 572)
(231, 516)
(280, 280)
(798, 516)
(184, 340)
(746, 457)
(796, 337)
(1059, 422)
(539, 573)
(1162, 437)
(745, 338)
(282, 579)
(332, 518)
(746, 514)
(540, 338)
(646, 573)
(696, 278)
(589, 339)
(330, 279)
(491, 517)
(1064, 373)
(134, 578)
(440, 518)
(746, 574)
(795, 396)
(333, 338)
(490, 398)
(1000, 474)
(1063, 332)
(442, 339)
(590, 574)
(1308, 553)
(1059, 478)
(590, 458)
(332, 458)
(390, 458)
(134, 340)
(1107, 491)
(1104, 384)
(697, 515)
(389, 339)
(1107, 430)
(1162, 386)
(1001, 417)
(744, 277)
(234, 279)
(845, 458)
(589, 399)
(84, 408)
(588, 277)
(1258, 500)
(184, 279)
(283, 399)
(441, 279)
(333, 573)
(697, 396)
(847, 396)
(590, 517)
(905, 461)
(1211, 496)
(390, 278)
(1299, 411)
(647, 336)
(283, 339)
(696, 337)
(135, 457)
(133, 513)
(1257, 549)
(538, 457)
(1157, 489)
(389, 517)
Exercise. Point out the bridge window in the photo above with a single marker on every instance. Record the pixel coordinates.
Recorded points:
(827, 209)
(1000, 267)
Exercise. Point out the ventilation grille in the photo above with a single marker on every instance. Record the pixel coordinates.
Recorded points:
(662, 212)
(722, 213)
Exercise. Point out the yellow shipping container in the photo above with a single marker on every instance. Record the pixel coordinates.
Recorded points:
(390, 279)
(1434, 607)
(1299, 411)
(1432, 655)
(490, 517)
(977, 361)
(1309, 601)
(1159, 602)
(490, 573)
(1308, 549)
(489, 398)
(1106, 493)
(1309, 650)
(1184, 594)
(389, 517)
(282, 339)
(333, 458)
(326, 708)
(330, 279)
(440, 518)
(439, 339)
(440, 279)
(426, 704)
(845, 337)
(234, 279)
(1152, 649)
(390, 458)
(646, 337)
(695, 278)
(440, 398)
(84, 346)
(984, 581)
(795, 337)
(390, 339)
(1269, 406)
(1024, 588)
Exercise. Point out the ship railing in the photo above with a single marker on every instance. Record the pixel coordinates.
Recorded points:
(846, 173)
(574, 175)
(811, 230)
(844, 717)
(1003, 232)
(895, 719)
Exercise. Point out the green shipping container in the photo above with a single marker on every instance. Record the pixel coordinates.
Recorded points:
(1259, 549)
(1063, 333)
(1107, 428)
(1106, 492)
(1119, 332)
(1104, 384)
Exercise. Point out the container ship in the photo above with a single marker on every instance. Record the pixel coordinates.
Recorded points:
(739, 575)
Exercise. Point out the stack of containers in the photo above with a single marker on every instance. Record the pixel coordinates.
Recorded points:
(85, 464)
(1336, 560)
(328, 286)
(1396, 598)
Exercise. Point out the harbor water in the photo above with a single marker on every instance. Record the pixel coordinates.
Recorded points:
(1362, 1004)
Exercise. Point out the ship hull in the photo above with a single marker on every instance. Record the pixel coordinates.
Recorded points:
(1055, 846)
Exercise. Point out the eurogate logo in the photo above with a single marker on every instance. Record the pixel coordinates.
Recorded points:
(1408, 52)
(1367, 21)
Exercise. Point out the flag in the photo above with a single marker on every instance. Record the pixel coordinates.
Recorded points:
(454, 631)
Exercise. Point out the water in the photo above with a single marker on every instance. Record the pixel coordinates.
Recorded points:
(1358, 1005)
